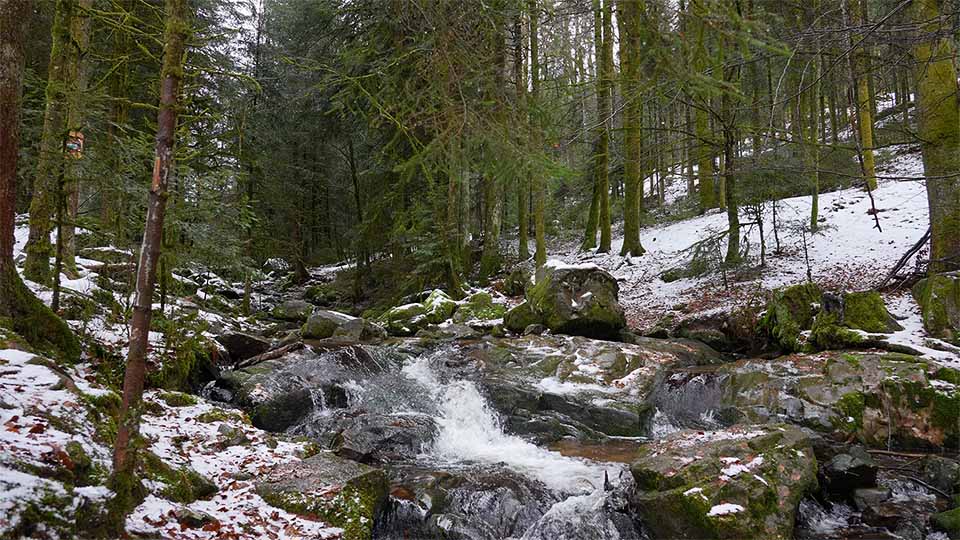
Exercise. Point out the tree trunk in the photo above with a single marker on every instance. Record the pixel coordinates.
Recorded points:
(520, 85)
(30, 317)
(864, 115)
(939, 119)
(630, 16)
(123, 481)
(603, 111)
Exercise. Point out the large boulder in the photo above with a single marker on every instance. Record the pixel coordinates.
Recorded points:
(325, 323)
(340, 492)
(240, 345)
(791, 311)
(292, 310)
(742, 482)
(383, 438)
(577, 300)
(939, 299)
(438, 306)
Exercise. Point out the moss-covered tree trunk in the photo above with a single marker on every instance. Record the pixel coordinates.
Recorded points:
(939, 121)
(123, 481)
(76, 109)
(701, 123)
(50, 162)
(630, 17)
(599, 155)
(520, 85)
(539, 183)
(19, 308)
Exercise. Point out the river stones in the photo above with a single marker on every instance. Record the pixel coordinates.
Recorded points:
(741, 482)
(341, 492)
(874, 398)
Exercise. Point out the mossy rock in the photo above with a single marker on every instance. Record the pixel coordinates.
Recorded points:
(742, 482)
(323, 324)
(939, 299)
(405, 320)
(321, 295)
(519, 317)
(516, 282)
(790, 312)
(342, 493)
(866, 311)
(479, 306)
(439, 307)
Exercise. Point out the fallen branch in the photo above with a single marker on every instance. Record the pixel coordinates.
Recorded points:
(906, 258)
(269, 355)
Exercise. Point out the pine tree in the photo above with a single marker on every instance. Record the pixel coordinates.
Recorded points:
(630, 15)
(27, 314)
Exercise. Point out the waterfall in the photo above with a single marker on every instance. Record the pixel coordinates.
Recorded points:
(471, 431)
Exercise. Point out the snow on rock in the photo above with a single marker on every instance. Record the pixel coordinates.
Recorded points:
(725, 509)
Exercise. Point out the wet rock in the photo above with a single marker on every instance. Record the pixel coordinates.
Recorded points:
(866, 498)
(742, 482)
(942, 473)
(577, 300)
(448, 331)
(341, 492)
(240, 345)
(534, 329)
(292, 310)
(600, 515)
(873, 398)
(488, 503)
(853, 469)
(939, 299)
(383, 438)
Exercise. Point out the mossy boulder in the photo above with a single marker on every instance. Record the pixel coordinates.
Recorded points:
(519, 317)
(578, 300)
(181, 484)
(439, 306)
(742, 482)
(516, 281)
(405, 320)
(866, 311)
(241, 345)
(292, 310)
(828, 334)
(340, 492)
(479, 306)
(321, 295)
(791, 311)
(939, 299)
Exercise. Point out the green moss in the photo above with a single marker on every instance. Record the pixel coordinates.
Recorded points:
(178, 399)
(30, 318)
(866, 311)
(851, 407)
(827, 334)
(103, 410)
(479, 306)
(939, 299)
(947, 374)
(948, 522)
(519, 317)
(790, 312)
(352, 509)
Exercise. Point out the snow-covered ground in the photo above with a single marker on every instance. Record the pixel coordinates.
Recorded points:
(848, 253)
